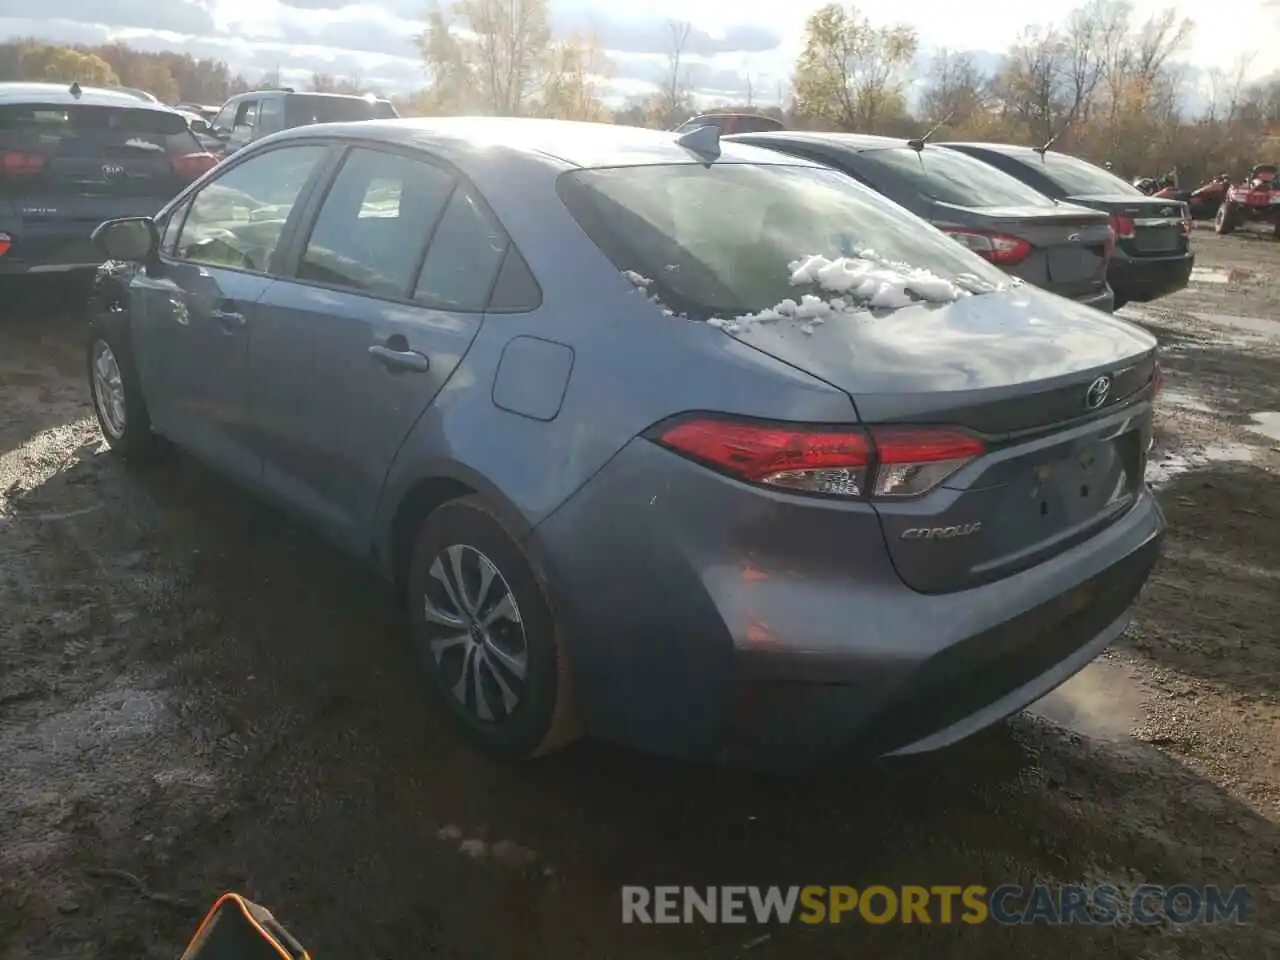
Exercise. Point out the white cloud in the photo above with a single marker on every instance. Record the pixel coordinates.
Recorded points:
(733, 37)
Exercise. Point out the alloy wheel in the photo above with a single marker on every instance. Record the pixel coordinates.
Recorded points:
(477, 638)
(108, 390)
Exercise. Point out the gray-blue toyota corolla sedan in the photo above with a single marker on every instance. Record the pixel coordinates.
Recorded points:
(688, 446)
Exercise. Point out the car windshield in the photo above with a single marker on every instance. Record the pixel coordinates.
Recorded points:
(954, 177)
(718, 240)
(302, 109)
(1079, 178)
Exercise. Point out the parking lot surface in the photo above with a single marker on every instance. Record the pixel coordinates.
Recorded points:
(197, 695)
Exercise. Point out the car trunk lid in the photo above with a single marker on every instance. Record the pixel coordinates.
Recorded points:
(1069, 246)
(1023, 371)
(1144, 227)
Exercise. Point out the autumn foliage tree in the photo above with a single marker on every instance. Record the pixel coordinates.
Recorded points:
(851, 73)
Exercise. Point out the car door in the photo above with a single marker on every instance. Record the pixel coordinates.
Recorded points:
(352, 350)
(197, 300)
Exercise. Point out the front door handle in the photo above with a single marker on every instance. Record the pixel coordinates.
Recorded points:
(400, 360)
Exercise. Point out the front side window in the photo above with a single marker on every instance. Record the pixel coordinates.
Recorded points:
(238, 219)
(370, 232)
(953, 177)
(225, 118)
(247, 115)
(717, 241)
(270, 115)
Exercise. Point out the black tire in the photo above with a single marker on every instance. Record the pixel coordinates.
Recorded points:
(541, 719)
(1225, 220)
(108, 331)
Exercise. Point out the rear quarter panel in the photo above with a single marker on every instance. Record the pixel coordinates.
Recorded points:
(632, 367)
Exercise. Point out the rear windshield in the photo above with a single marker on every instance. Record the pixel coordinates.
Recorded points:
(301, 109)
(1080, 178)
(953, 177)
(84, 130)
(717, 241)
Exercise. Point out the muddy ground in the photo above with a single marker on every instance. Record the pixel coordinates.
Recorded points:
(197, 695)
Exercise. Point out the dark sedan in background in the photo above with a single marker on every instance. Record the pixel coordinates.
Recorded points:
(71, 157)
(1152, 256)
(1061, 247)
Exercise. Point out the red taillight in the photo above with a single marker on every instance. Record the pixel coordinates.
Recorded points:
(997, 248)
(1185, 226)
(1157, 379)
(192, 165)
(849, 462)
(911, 461)
(1123, 226)
(6, 242)
(18, 163)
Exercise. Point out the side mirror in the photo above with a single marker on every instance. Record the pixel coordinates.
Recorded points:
(220, 133)
(133, 239)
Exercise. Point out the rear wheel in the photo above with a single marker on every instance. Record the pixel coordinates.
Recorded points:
(1226, 220)
(486, 635)
(113, 382)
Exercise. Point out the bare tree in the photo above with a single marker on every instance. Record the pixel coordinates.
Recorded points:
(1083, 46)
(955, 88)
(673, 101)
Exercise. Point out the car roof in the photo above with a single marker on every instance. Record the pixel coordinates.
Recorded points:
(852, 142)
(572, 143)
(1008, 149)
(60, 93)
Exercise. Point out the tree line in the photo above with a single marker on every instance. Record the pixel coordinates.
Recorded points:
(1099, 83)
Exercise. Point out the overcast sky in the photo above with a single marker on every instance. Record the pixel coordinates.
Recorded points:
(731, 38)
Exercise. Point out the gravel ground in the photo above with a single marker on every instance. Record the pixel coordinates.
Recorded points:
(196, 695)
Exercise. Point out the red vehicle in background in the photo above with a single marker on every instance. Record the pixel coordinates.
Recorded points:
(1203, 201)
(1256, 199)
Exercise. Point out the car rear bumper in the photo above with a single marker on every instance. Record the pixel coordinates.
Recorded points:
(50, 247)
(1142, 279)
(712, 621)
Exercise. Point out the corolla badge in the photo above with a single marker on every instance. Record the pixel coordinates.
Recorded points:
(112, 170)
(942, 533)
(1097, 393)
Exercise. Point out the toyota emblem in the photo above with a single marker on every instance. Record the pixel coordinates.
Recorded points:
(112, 170)
(1074, 238)
(1097, 393)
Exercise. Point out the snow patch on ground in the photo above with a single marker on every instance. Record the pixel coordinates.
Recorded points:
(1161, 472)
(1266, 423)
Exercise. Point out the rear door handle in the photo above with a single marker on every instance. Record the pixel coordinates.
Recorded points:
(400, 360)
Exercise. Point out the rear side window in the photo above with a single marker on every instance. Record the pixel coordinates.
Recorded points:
(952, 177)
(302, 109)
(86, 131)
(1081, 178)
(717, 241)
(463, 259)
(374, 223)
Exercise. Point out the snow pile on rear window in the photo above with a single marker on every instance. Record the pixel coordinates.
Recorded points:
(870, 279)
(862, 283)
